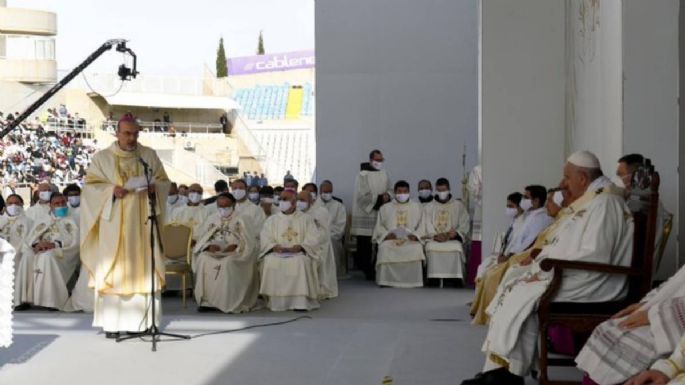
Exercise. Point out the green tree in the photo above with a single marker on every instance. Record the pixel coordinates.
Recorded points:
(260, 44)
(221, 64)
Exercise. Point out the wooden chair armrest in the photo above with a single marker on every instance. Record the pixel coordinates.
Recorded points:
(549, 264)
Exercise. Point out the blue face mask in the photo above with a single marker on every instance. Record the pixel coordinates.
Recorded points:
(61, 212)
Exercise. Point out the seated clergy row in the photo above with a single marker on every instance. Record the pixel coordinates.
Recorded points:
(239, 253)
(409, 234)
(592, 223)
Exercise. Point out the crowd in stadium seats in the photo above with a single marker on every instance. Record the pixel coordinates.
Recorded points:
(31, 153)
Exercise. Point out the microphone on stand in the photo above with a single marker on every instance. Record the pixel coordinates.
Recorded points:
(143, 162)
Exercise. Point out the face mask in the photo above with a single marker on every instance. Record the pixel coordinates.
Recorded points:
(14, 210)
(225, 212)
(526, 204)
(302, 205)
(253, 197)
(277, 199)
(443, 195)
(61, 212)
(313, 195)
(402, 198)
(44, 195)
(267, 201)
(618, 181)
(171, 199)
(284, 206)
(377, 165)
(425, 193)
(326, 196)
(74, 201)
(194, 197)
(558, 198)
(512, 212)
(238, 194)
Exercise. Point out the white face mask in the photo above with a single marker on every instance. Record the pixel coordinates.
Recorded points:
(302, 205)
(326, 196)
(558, 198)
(14, 210)
(194, 197)
(225, 212)
(526, 204)
(277, 199)
(402, 198)
(443, 195)
(267, 201)
(313, 195)
(377, 165)
(425, 193)
(171, 199)
(74, 201)
(238, 194)
(512, 212)
(618, 181)
(284, 206)
(44, 196)
(253, 197)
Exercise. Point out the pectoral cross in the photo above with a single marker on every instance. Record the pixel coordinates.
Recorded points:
(290, 234)
(218, 269)
(37, 272)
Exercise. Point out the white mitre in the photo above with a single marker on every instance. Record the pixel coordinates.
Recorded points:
(584, 159)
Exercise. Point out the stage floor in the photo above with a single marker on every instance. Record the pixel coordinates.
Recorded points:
(414, 336)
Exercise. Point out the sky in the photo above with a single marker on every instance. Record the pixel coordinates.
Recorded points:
(175, 37)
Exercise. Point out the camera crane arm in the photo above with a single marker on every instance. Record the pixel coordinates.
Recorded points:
(124, 73)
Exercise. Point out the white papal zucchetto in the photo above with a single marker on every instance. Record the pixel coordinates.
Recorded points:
(584, 159)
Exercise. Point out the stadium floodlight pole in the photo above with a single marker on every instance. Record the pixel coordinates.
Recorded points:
(125, 73)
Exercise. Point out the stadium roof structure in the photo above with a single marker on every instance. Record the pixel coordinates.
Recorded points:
(199, 102)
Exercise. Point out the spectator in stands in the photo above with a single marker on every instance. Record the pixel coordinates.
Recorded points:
(263, 181)
(287, 176)
(166, 118)
(63, 111)
(255, 179)
(247, 178)
(223, 120)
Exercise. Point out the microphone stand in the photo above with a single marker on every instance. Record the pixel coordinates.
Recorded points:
(152, 331)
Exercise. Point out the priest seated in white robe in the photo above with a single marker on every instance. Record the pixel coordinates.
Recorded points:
(328, 280)
(252, 214)
(226, 275)
(398, 234)
(41, 209)
(447, 226)
(502, 247)
(15, 225)
(289, 246)
(425, 192)
(174, 200)
(599, 229)
(49, 260)
(193, 214)
(668, 370)
(338, 215)
(266, 200)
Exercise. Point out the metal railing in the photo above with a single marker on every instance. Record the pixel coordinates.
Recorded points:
(168, 129)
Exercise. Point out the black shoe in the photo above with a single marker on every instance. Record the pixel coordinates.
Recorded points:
(301, 310)
(22, 307)
(111, 335)
(477, 380)
(204, 309)
(501, 376)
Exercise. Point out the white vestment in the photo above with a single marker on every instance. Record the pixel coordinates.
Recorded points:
(289, 281)
(224, 280)
(502, 245)
(6, 292)
(328, 280)
(193, 216)
(170, 207)
(15, 230)
(534, 222)
(38, 212)
(338, 215)
(252, 214)
(399, 262)
(42, 277)
(599, 229)
(367, 187)
(445, 259)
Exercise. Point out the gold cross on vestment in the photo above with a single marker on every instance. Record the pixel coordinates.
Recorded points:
(443, 221)
(290, 234)
(401, 219)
